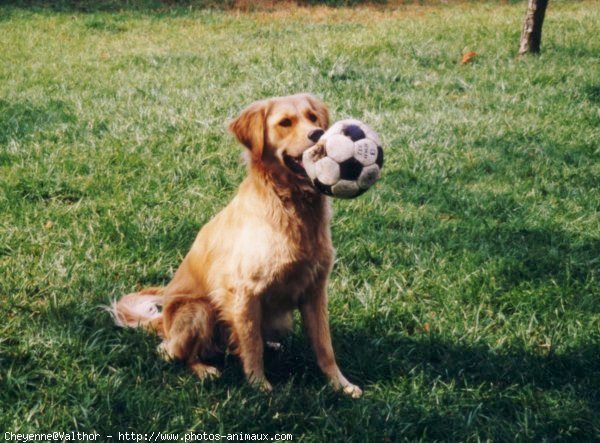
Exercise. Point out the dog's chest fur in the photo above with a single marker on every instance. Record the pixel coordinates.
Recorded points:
(306, 255)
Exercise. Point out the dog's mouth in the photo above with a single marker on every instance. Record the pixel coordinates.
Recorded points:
(295, 165)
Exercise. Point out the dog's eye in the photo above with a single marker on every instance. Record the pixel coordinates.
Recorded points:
(312, 117)
(286, 122)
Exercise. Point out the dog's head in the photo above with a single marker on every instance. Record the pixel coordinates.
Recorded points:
(278, 130)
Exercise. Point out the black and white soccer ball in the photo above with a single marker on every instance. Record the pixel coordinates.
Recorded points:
(346, 161)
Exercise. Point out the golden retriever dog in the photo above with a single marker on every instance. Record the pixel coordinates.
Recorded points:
(267, 253)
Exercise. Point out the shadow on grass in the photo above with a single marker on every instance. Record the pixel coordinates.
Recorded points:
(400, 373)
(369, 358)
(501, 228)
(534, 256)
(505, 380)
(20, 119)
(389, 358)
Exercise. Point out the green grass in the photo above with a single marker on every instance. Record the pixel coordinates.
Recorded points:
(465, 297)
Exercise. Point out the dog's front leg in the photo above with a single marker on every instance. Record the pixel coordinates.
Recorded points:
(247, 329)
(316, 322)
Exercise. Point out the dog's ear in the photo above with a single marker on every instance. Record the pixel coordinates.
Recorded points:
(320, 109)
(250, 127)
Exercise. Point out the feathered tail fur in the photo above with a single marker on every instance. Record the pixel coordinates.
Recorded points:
(139, 309)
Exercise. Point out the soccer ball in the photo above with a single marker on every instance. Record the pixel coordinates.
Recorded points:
(346, 161)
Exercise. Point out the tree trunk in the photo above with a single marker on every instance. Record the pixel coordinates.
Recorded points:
(531, 37)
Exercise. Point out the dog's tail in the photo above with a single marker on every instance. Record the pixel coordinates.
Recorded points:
(139, 309)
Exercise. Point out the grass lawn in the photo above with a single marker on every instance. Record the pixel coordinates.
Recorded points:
(465, 298)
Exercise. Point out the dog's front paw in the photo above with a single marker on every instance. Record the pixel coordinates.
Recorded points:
(265, 386)
(205, 372)
(353, 391)
(261, 383)
(341, 383)
(163, 352)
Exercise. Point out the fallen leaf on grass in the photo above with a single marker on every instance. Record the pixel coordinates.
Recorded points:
(467, 57)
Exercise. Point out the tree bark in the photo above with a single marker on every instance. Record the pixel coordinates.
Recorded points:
(531, 37)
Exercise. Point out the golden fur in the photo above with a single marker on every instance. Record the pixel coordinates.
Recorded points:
(264, 255)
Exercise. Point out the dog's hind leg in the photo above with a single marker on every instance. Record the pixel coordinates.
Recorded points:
(189, 323)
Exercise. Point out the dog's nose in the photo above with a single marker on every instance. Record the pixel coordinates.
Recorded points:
(315, 135)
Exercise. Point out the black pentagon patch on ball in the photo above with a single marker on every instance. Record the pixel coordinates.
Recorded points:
(354, 132)
(379, 160)
(350, 169)
(322, 187)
